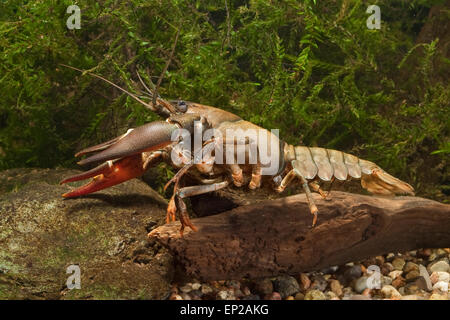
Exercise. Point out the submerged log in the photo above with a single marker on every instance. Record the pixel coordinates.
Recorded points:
(274, 237)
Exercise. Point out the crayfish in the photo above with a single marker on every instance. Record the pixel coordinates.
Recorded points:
(131, 154)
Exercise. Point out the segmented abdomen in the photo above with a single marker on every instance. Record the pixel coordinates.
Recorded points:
(327, 163)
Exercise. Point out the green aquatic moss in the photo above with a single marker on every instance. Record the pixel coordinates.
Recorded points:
(309, 68)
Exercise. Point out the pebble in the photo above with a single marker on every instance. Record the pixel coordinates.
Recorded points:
(299, 296)
(389, 291)
(185, 296)
(396, 273)
(386, 268)
(412, 275)
(225, 295)
(336, 287)
(274, 296)
(319, 283)
(289, 298)
(379, 260)
(440, 276)
(390, 256)
(196, 286)
(305, 281)
(398, 263)
(206, 289)
(424, 253)
(330, 270)
(410, 266)
(246, 291)
(186, 288)
(422, 283)
(315, 295)
(330, 295)
(251, 297)
(347, 291)
(398, 282)
(350, 273)
(175, 297)
(360, 285)
(441, 285)
(386, 280)
(438, 296)
(440, 265)
(411, 289)
(286, 286)
(263, 286)
(367, 292)
(426, 277)
(238, 293)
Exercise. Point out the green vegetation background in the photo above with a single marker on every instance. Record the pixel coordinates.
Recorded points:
(310, 68)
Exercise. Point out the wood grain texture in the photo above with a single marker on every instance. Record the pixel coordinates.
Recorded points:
(274, 237)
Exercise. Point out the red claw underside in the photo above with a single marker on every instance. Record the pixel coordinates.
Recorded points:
(107, 175)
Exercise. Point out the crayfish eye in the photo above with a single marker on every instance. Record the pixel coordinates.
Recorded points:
(181, 106)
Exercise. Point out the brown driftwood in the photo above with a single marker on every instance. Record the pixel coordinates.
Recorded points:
(273, 237)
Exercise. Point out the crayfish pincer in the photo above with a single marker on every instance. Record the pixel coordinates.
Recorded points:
(131, 154)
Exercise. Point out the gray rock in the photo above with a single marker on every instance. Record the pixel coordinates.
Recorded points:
(426, 277)
(286, 286)
(263, 286)
(348, 274)
(41, 234)
(440, 265)
(319, 283)
(330, 270)
(360, 284)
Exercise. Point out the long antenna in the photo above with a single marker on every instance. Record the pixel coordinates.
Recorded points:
(152, 107)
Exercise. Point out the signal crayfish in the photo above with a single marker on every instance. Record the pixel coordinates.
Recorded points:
(251, 151)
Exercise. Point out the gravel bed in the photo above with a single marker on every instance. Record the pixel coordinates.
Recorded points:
(415, 275)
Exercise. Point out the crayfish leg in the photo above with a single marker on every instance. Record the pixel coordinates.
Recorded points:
(315, 186)
(312, 206)
(183, 214)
